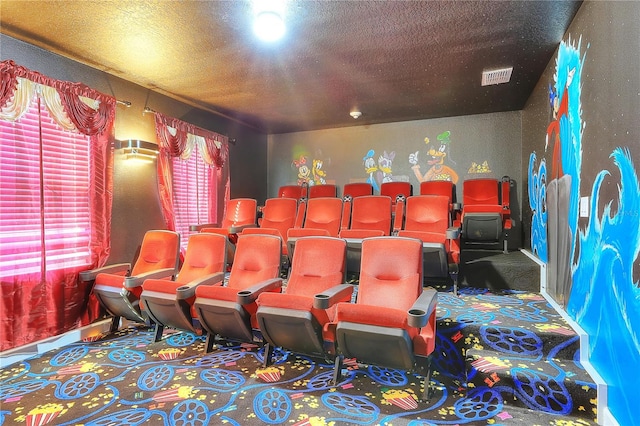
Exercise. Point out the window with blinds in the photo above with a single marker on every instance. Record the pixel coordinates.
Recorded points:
(190, 194)
(44, 200)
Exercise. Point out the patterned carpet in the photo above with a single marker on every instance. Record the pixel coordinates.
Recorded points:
(500, 360)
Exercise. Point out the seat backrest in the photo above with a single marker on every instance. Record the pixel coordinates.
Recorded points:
(318, 263)
(257, 258)
(439, 187)
(427, 213)
(357, 189)
(326, 190)
(240, 211)
(280, 214)
(159, 249)
(291, 191)
(390, 272)
(393, 189)
(324, 213)
(371, 212)
(480, 192)
(206, 254)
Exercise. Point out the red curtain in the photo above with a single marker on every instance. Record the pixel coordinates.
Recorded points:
(175, 139)
(41, 305)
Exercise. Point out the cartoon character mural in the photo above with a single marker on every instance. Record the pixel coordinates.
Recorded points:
(319, 175)
(310, 172)
(438, 170)
(591, 270)
(385, 163)
(304, 171)
(371, 169)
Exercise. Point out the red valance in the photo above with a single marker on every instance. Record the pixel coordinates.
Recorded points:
(87, 120)
(215, 144)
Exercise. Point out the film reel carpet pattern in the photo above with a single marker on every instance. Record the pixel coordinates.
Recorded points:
(500, 360)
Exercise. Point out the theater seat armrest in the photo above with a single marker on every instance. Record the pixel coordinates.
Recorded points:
(249, 295)
(419, 314)
(333, 295)
(189, 290)
(90, 275)
(197, 228)
(136, 281)
(453, 233)
(238, 229)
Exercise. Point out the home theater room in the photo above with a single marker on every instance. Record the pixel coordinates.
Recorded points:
(319, 212)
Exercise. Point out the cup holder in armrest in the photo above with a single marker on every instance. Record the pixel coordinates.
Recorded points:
(417, 318)
(245, 296)
(321, 301)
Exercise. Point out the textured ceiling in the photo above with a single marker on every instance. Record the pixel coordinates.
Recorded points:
(392, 60)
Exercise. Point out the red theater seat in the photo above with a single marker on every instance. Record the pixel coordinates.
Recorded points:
(327, 190)
(446, 188)
(299, 318)
(118, 287)
(278, 216)
(170, 303)
(316, 217)
(427, 218)
(486, 212)
(240, 213)
(394, 189)
(370, 217)
(229, 312)
(292, 191)
(356, 189)
(393, 322)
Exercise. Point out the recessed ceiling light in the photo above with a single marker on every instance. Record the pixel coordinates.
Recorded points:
(269, 26)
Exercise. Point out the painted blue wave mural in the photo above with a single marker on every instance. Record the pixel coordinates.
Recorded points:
(537, 203)
(604, 299)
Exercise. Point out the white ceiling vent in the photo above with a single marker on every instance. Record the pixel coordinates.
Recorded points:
(502, 75)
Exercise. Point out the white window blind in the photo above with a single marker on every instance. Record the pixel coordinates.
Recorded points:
(44, 195)
(190, 194)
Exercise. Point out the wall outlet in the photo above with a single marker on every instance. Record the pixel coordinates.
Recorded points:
(584, 206)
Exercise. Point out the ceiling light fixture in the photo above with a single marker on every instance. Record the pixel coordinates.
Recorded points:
(355, 114)
(268, 22)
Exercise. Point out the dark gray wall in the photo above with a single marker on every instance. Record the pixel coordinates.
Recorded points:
(136, 207)
(602, 291)
(494, 138)
(610, 97)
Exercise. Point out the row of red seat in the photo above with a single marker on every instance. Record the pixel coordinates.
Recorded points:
(486, 202)
(435, 219)
(313, 314)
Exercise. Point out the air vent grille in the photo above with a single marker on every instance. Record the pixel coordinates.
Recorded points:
(500, 76)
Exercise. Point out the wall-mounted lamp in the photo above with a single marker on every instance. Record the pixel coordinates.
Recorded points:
(134, 148)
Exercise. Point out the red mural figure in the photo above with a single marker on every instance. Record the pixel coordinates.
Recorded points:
(560, 109)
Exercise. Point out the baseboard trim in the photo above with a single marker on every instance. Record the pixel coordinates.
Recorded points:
(21, 353)
(604, 416)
